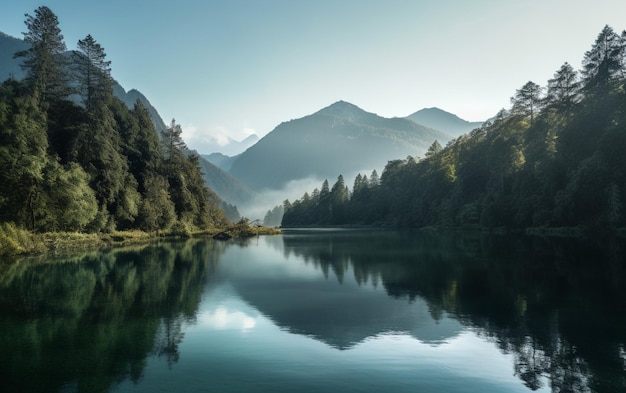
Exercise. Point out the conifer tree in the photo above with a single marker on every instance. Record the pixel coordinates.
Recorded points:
(92, 71)
(43, 60)
(23, 145)
(434, 149)
(527, 100)
(564, 88)
(374, 179)
(604, 61)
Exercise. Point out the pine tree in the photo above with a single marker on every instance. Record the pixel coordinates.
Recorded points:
(564, 88)
(604, 61)
(148, 155)
(93, 72)
(434, 149)
(374, 179)
(43, 61)
(527, 100)
(23, 145)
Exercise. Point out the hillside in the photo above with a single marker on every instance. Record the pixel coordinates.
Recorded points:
(130, 97)
(225, 186)
(441, 120)
(339, 138)
(220, 160)
(10, 68)
(555, 160)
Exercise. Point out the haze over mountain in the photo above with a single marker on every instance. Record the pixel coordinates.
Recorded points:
(220, 160)
(225, 186)
(207, 144)
(443, 121)
(339, 139)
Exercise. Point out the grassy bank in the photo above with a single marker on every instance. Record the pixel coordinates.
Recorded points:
(16, 241)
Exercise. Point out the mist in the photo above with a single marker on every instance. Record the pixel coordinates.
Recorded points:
(267, 199)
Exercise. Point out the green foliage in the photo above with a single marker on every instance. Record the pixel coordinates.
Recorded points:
(14, 240)
(93, 72)
(553, 162)
(157, 210)
(23, 146)
(43, 61)
(97, 167)
(70, 204)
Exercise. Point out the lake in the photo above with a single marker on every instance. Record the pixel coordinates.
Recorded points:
(320, 311)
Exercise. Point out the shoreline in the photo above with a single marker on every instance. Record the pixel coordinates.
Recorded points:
(16, 242)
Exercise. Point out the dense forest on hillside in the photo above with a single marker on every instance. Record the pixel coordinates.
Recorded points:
(75, 158)
(555, 159)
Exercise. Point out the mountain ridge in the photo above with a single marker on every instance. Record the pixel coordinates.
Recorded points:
(444, 121)
(10, 68)
(340, 138)
(211, 145)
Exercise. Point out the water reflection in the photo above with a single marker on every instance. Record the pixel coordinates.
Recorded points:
(379, 310)
(556, 305)
(88, 323)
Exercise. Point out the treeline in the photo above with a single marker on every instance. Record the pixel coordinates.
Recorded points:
(75, 158)
(555, 159)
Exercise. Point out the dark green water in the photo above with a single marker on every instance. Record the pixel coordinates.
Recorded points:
(320, 311)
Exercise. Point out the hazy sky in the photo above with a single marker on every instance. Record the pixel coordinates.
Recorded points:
(236, 67)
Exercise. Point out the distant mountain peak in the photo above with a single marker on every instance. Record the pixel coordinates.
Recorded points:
(315, 146)
(441, 120)
(344, 110)
(434, 109)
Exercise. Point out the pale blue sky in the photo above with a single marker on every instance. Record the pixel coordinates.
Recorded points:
(234, 67)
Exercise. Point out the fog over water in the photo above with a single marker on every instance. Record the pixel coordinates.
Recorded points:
(267, 199)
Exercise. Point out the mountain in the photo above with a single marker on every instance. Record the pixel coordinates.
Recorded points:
(227, 147)
(339, 139)
(441, 120)
(10, 68)
(220, 160)
(129, 98)
(225, 186)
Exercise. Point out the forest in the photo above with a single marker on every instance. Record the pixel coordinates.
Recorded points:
(555, 159)
(76, 158)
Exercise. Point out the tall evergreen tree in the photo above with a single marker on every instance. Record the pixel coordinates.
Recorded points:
(92, 71)
(604, 61)
(374, 179)
(148, 152)
(43, 60)
(434, 149)
(527, 100)
(173, 146)
(564, 88)
(23, 145)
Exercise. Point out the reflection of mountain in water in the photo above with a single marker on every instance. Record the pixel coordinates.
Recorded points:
(556, 305)
(340, 315)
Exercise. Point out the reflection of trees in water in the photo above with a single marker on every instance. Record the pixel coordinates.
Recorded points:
(90, 322)
(537, 299)
(168, 337)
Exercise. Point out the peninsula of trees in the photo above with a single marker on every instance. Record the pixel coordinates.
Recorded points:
(75, 158)
(555, 159)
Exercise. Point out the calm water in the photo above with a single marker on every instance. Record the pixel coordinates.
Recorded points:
(320, 311)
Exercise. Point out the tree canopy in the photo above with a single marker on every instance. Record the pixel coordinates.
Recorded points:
(551, 161)
(94, 165)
